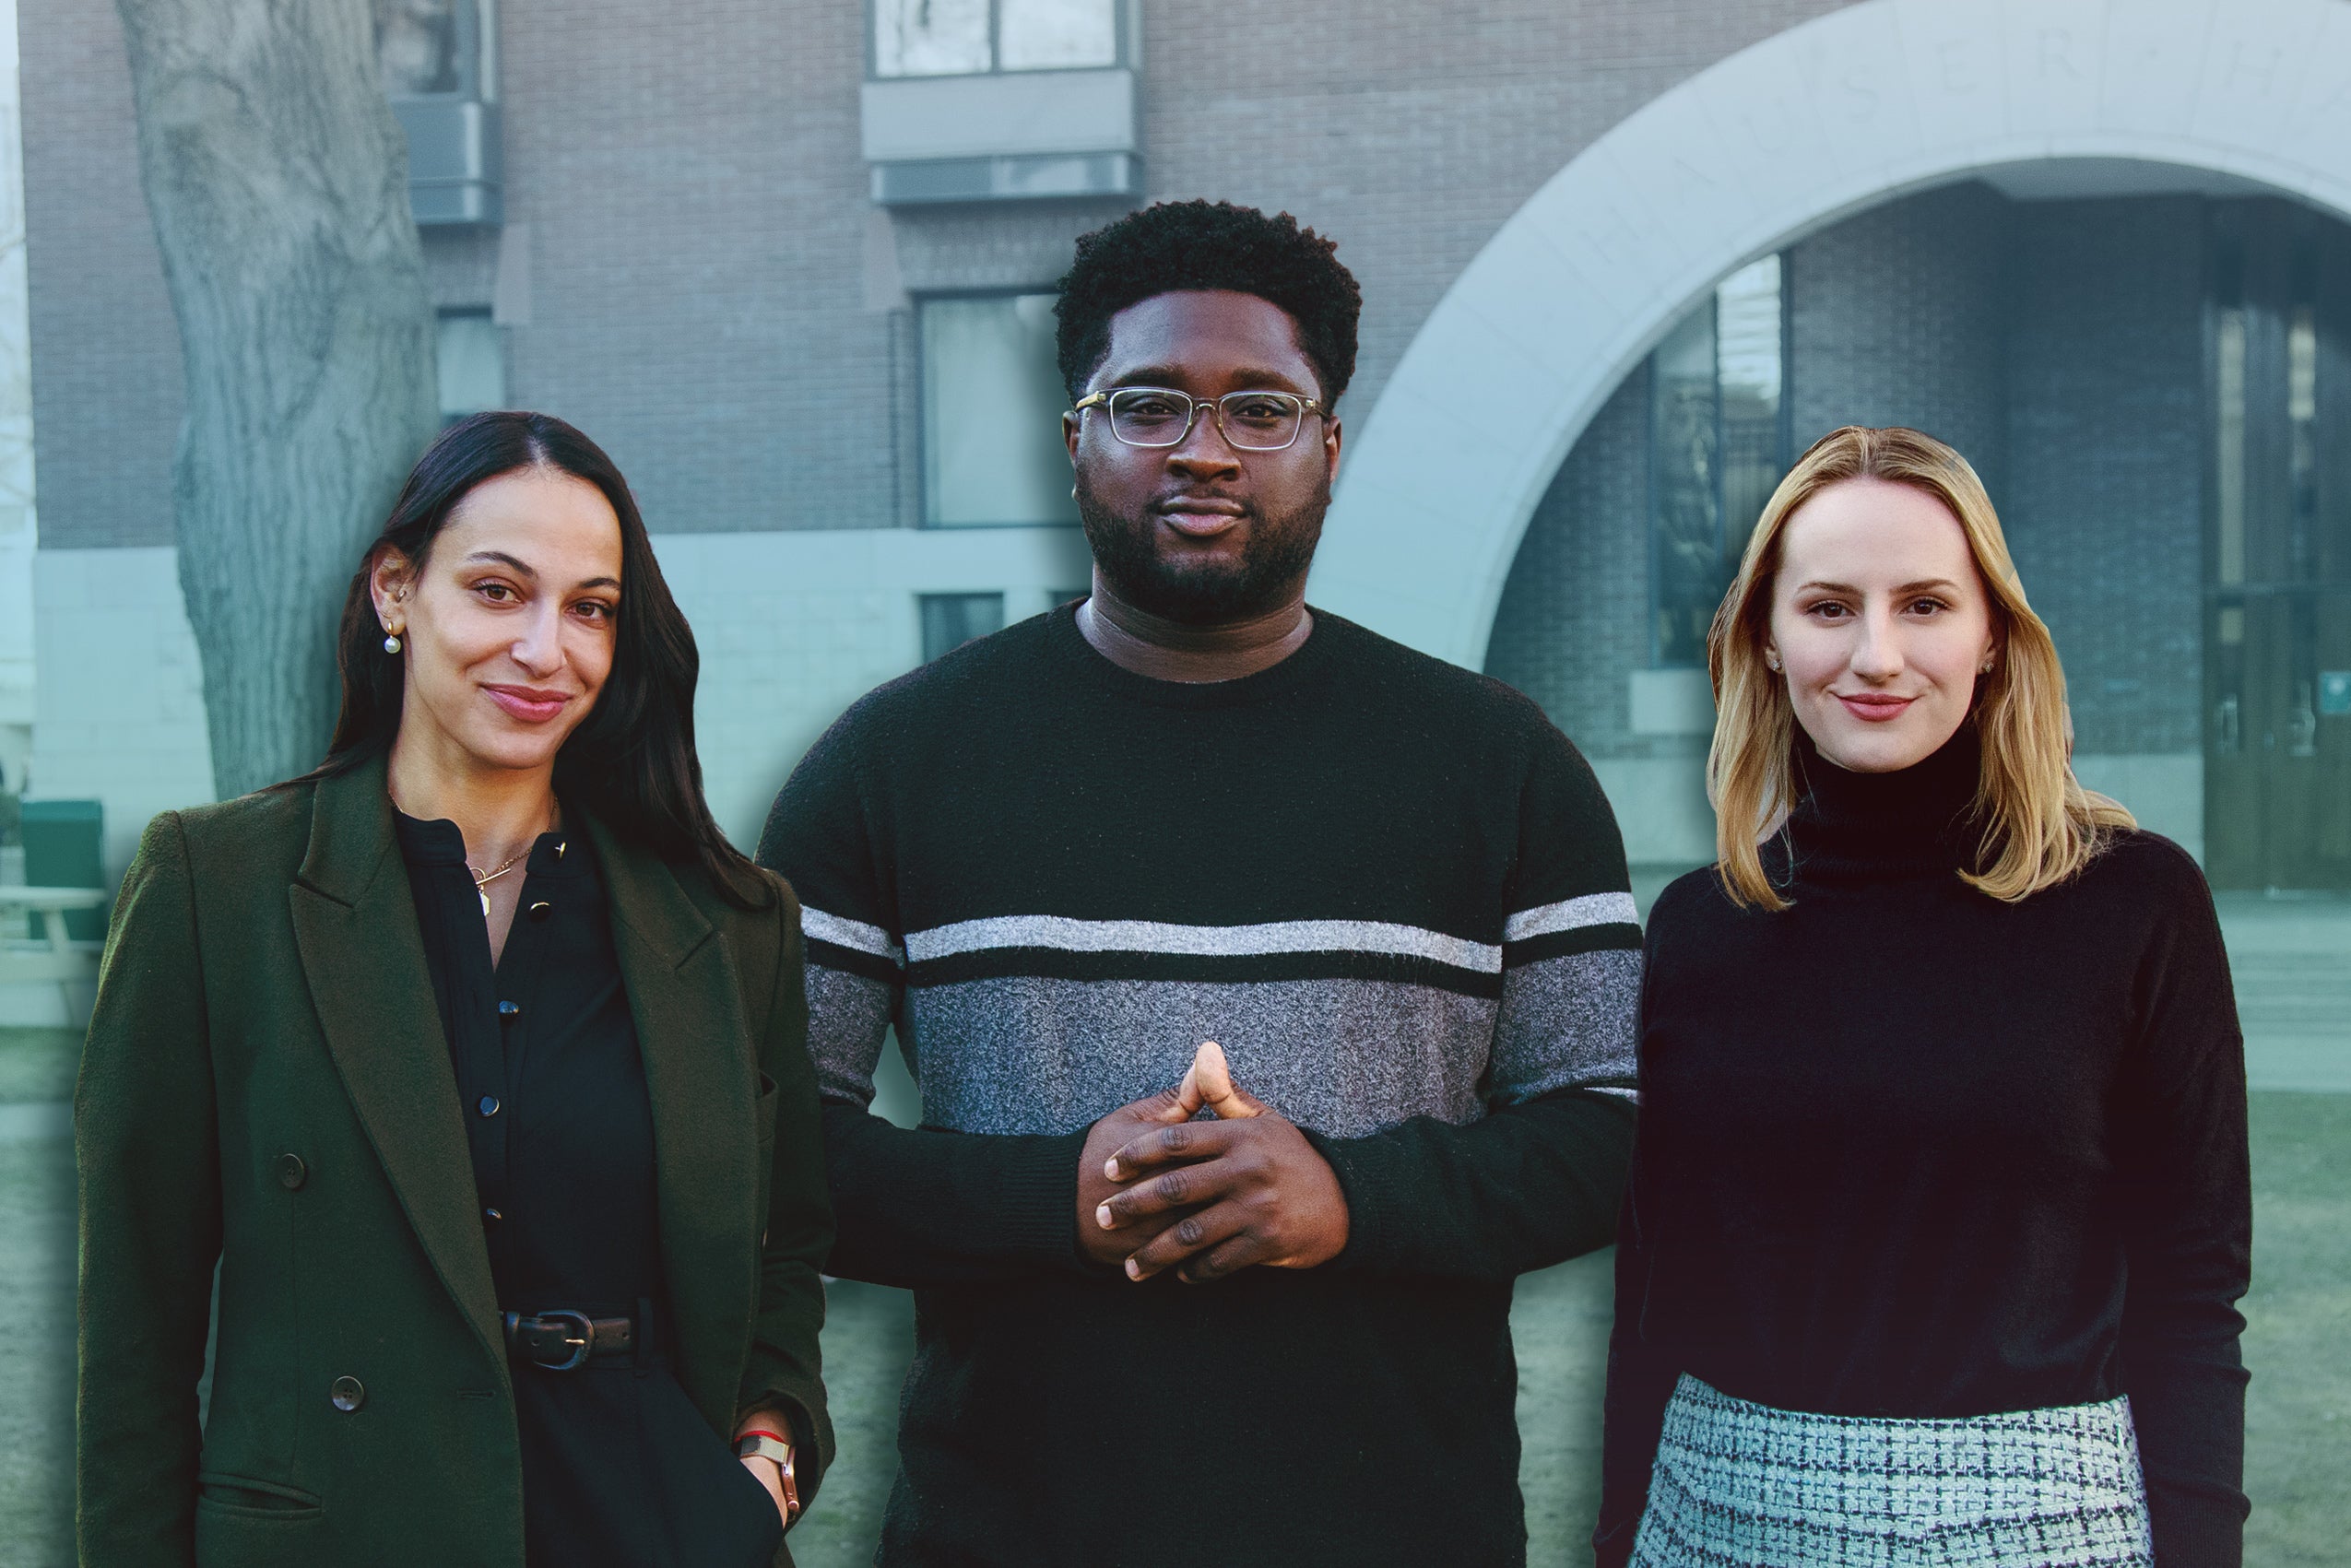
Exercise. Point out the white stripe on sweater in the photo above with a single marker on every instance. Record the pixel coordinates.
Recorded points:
(1201, 941)
(1571, 915)
(855, 935)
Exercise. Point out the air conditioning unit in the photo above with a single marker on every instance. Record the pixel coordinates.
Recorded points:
(457, 167)
(1012, 136)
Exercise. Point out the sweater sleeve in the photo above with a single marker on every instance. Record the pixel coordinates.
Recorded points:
(2181, 1167)
(147, 1150)
(912, 1206)
(1539, 1178)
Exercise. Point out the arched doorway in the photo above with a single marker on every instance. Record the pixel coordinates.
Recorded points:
(1785, 141)
(2154, 377)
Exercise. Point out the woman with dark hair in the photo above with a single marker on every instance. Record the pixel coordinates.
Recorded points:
(472, 1064)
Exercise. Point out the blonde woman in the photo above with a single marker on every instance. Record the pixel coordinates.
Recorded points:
(1939, 1212)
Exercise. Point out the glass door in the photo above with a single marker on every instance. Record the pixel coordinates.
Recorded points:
(2278, 730)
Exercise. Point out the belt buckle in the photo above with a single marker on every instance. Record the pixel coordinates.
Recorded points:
(582, 1343)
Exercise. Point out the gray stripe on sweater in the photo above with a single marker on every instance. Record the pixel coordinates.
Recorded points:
(1345, 1057)
(1569, 1023)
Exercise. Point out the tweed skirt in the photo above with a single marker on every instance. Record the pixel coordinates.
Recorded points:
(1741, 1485)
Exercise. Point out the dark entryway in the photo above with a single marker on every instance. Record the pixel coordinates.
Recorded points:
(2277, 631)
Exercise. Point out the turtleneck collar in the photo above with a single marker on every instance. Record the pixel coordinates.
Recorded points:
(1851, 826)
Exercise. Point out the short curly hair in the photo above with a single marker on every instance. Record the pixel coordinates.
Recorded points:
(1199, 244)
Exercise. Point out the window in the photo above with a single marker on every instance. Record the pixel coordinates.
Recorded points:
(992, 407)
(950, 621)
(1718, 444)
(435, 48)
(472, 365)
(951, 38)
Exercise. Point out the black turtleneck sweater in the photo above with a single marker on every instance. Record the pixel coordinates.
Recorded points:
(1909, 1151)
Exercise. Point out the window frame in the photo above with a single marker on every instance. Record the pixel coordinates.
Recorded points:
(921, 421)
(443, 315)
(962, 597)
(1784, 418)
(1126, 33)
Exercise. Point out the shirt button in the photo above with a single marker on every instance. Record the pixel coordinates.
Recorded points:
(508, 1009)
(541, 910)
(291, 1171)
(488, 1106)
(349, 1393)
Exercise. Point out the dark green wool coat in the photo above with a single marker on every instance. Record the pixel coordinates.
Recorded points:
(266, 1088)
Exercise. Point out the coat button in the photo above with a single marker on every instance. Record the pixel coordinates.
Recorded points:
(291, 1171)
(489, 1105)
(349, 1393)
(509, 1009)
(541, 910)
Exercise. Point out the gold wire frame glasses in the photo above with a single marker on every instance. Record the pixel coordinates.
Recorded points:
(1161, 417)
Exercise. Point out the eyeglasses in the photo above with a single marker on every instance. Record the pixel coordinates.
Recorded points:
(1156, 416)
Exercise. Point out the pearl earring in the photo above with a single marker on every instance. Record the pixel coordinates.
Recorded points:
(391, 642)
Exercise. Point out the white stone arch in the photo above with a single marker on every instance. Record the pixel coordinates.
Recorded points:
(1783, 138)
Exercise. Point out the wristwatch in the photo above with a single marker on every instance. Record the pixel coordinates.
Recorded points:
(771, 1445)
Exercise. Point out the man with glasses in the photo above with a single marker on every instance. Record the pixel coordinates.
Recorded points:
(1248, 1302)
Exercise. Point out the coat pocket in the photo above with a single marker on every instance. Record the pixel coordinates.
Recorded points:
(244, 1523)
(768, 1099)
(244, 1494)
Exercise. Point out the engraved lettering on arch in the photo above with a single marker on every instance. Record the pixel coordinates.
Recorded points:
(2057, 55)
(1955, 64)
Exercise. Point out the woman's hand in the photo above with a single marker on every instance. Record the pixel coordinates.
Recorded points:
(767, 1472)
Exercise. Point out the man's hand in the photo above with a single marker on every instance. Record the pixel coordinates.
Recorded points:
(1220, 1196)
(1115, 1131)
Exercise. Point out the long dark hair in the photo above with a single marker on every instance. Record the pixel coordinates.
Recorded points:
(631, 762)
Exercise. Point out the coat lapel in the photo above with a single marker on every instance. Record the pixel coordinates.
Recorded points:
(699, 1069)
(363, 957)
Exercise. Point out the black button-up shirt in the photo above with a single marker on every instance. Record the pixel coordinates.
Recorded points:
(618, 1469)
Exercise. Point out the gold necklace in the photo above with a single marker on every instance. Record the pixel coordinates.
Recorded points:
(483, 878)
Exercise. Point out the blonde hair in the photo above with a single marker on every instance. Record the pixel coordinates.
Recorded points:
(2040, 825)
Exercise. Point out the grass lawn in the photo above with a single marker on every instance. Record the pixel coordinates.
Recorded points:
(2298, 1341)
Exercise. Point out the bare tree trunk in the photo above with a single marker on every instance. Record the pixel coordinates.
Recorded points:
(277, 179)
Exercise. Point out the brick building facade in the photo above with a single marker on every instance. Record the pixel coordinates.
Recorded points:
(701, 248)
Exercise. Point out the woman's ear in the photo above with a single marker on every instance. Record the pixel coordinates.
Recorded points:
(391, 578)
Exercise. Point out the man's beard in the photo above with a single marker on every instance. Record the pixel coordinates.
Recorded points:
(1203, 593)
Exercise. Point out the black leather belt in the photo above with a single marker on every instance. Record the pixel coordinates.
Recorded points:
(562, 1340)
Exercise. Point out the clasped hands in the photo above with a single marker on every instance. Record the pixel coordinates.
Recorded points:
(1157, 1190)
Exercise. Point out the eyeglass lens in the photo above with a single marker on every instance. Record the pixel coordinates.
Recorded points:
(1254, 421)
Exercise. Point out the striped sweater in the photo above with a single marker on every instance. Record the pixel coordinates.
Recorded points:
(1396, 896)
